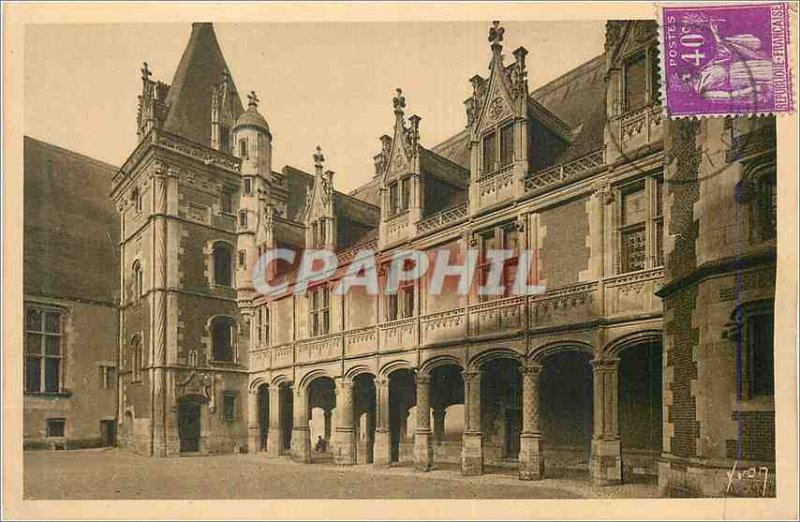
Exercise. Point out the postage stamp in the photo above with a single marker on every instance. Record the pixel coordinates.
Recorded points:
(726, 59)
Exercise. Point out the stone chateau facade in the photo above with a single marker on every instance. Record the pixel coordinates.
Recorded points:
(648, 355)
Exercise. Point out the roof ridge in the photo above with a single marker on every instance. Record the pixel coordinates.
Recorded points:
(335, 192)
(70, 152)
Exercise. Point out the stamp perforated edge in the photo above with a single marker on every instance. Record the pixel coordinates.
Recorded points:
(791, 16)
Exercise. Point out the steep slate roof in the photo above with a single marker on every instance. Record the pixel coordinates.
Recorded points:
(71, 228)
(189, 99)
(579, 99)
(455, 149)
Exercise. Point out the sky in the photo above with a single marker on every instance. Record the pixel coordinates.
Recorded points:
(327, 84)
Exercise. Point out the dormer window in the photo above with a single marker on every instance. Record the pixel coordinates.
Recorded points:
(641, 85)
(399, 196)
(498, 149)
(319, 236)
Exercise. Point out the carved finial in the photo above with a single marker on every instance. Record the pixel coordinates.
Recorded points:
(399, 101)
(252, 100)
(496, 33)
(146, 72)
(318, 157)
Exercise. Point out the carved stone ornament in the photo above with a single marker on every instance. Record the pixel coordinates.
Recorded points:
(496, 108)
(197, 384)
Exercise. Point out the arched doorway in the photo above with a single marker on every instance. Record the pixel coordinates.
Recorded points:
(189, 424)
(285, 416)
(321, 407)
(640, 410)
(402, 396)
(263, 417)
(566, 413)
(364, 415)
(501, 411)
(447, 410)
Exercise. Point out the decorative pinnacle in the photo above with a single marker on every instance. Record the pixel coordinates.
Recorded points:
(252, 100)
(146, 73)
(399, 101)
(496, 33)
(318, 157)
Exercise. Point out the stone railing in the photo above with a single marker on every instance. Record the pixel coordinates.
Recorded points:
(345, 256)
(443, 219)
(578, 303)
(496, 181)
(207, 155)
(565, 171)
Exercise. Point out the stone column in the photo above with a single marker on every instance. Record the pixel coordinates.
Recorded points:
(531, 463)
(423, 445)
(326, 428)
(345, 453)
(275, 432)
(606, 461)
(158, 360)
(383, 444)
(301, 434)
(253, 427)
(472, 442)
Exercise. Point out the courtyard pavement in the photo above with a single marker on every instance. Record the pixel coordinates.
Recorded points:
(111, 473)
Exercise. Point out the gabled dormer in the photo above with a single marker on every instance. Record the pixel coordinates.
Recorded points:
(319, 217)
(152, 104)
(401, 200)
(225, 109)
(633, 97)
(510, 134)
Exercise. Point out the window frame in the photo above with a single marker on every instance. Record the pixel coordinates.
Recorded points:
(499, 234)
(744, 316)
(233, 356)
(107, 375)
(55, 420)
(319, 302)
(651, 226)
(230, 398)
(42, 356)
(231, 269)
(136, 358)
(138, 281)
(652, 91)
(497, 134)
(244, 149)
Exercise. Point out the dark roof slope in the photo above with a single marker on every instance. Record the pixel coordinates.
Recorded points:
(455, 149)
(579, 99)
(71, 228)
(189, 99)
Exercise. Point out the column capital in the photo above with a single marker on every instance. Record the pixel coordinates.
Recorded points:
(531, 367)
(471, 375)
(605, 363)
(423, 378)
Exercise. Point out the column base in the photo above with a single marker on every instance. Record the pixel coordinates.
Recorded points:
(274, 443)
(253, 439)
(471, 454)
(301, 445)
(383, 449)
(423, 450)
(606, 462)
(531, 460)
(344, 454)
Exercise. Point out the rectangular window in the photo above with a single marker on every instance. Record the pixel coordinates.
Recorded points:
(243, 153)
(226, 203)
(641, 229)
(224, 139)
(229, 406)
(506, 145)
(107, 377)
(394, 201)
(405, 193)
(55, 427)
(248, 186)
(243, 218)
(401, 304)
(655, 81)
(633, 249)
(43, 351)
(489, 153)
(635, 81)
(761, 355)
(319, 318)
(267, 332)
(502, 237)
(242, 257)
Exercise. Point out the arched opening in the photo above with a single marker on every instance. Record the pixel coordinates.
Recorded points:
(566, 413)
(321, 407)
(640, 410)
(402, 396)
(285, 417)
(222, 338)
(364, 412)
(263, 417)
(447, 410)
(501, 411)
(189, 430)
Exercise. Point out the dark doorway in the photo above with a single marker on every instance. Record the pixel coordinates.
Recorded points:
(513, 431)
(108, 430)
(501, 406)
(263, 417)
(189, 425)
(364, 409)
(402, 396)
(287, 408)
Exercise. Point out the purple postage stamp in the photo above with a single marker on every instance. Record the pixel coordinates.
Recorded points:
(726, 59)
